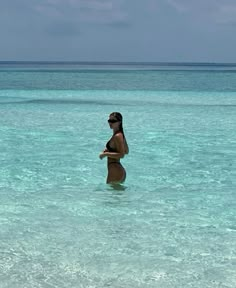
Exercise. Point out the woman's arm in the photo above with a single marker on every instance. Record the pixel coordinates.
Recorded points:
(119, 144)
(114, 155)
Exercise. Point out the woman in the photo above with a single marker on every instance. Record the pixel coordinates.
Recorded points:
(116, 148)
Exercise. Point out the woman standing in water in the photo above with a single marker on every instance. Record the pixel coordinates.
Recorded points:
(116, 148)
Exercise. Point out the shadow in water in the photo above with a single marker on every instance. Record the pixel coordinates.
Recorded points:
(117, 187)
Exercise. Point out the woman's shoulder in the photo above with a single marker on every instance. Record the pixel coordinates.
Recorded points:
(118, 135)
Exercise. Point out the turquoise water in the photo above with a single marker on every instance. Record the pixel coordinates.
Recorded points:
(173, 222)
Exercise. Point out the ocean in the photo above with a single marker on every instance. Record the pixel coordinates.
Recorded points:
(172, 223)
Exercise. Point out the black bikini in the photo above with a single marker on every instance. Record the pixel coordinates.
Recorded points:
(109, 148)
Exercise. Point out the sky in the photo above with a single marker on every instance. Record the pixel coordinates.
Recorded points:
(118, 30)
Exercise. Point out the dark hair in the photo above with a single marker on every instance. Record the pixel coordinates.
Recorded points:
(118, 117)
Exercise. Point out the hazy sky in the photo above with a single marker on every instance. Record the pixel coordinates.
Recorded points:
(118, 30)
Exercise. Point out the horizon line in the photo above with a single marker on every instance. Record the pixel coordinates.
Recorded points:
(117, 62)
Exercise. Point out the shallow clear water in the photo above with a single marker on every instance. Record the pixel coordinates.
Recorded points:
(173, 222)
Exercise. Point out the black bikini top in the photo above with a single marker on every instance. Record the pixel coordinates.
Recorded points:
(109, 148)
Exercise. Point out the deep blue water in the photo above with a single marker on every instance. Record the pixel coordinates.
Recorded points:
(157, 77)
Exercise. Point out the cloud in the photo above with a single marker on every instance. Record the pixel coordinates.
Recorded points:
(189, 6)
(226, 14)
(213, 11)
(63, 28)
(178, 6)
(83, 11)
(74, 5)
